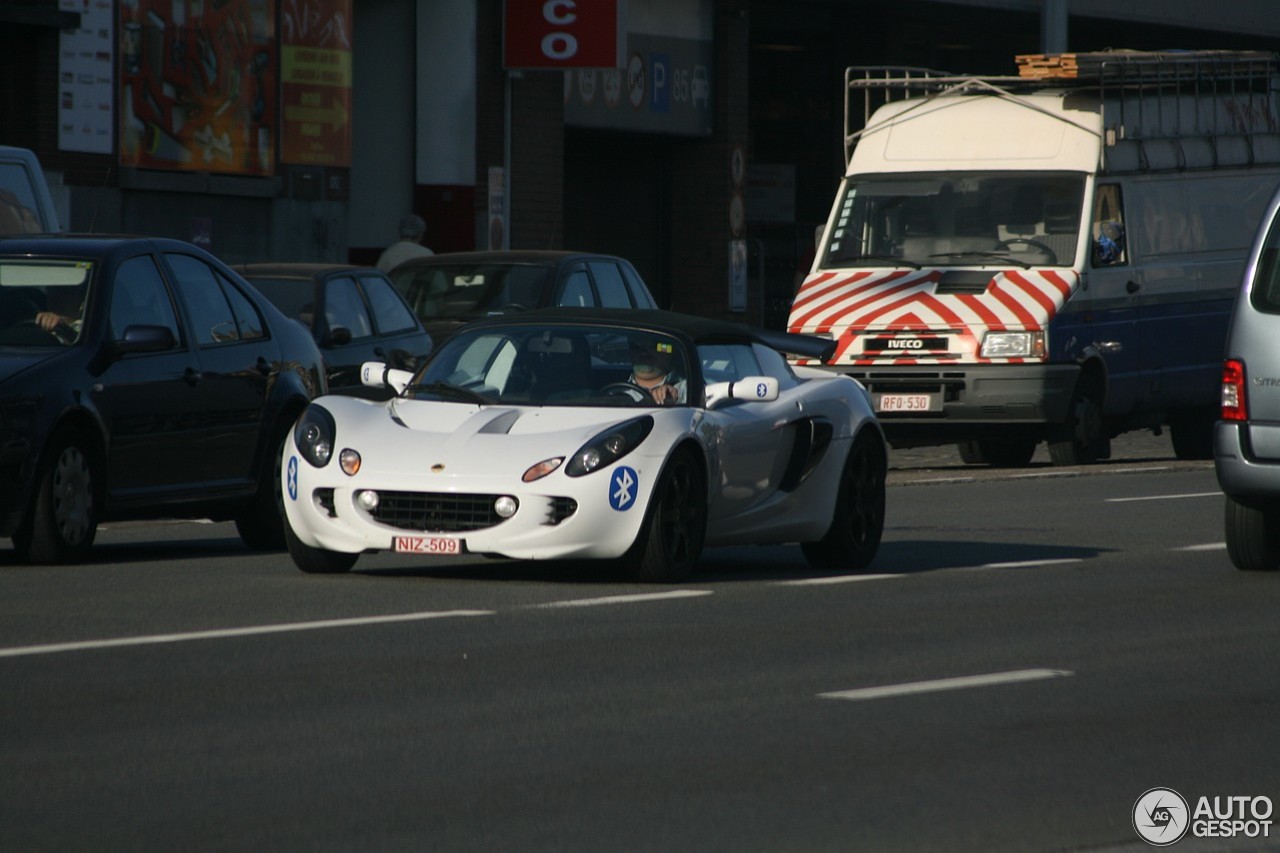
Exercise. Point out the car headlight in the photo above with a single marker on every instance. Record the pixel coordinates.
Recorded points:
(314, 434)
(1013, 345)
(609, 446)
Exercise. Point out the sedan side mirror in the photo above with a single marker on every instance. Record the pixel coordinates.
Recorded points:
(338, 336)
(145, 339)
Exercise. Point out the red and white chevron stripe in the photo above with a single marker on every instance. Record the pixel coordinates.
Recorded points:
(852, 305)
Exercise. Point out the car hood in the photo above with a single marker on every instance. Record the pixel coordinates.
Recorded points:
(467, 439)
(16, 360)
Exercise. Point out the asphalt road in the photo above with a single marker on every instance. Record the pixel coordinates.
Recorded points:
(183, 692)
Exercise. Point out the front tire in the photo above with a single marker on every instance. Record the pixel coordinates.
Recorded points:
(262, 525)
(857, 523)
(1079, 440)
(998, 452)
(317, 561)
(1253, 535)
(63, 519)
(675, 524)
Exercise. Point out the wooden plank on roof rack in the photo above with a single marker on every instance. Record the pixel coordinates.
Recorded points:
(1175, 63)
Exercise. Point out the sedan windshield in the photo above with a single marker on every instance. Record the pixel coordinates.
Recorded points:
(42, 302)
(557, 365)
(958, 219)
(467, 290)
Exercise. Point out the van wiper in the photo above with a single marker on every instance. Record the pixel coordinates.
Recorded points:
(893, 259)
(997, 256)
(444, 389)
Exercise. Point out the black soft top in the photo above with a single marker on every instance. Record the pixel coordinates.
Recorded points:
(697, 330)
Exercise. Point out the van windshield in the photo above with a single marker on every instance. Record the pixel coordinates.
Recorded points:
(958, 219)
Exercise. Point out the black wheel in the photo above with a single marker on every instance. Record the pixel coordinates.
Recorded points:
(1003, 453)
(317, 561)
(857, 523)
(262, 524)
(63, 519)
(675, 524)
(1253, 535)
(1191, 433)
(1079, 439)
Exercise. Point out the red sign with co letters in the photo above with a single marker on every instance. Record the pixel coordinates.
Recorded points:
(561, 34)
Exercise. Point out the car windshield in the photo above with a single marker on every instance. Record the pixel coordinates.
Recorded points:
(958, 219)
(456, 290)
(42, 302)
(293, 296)
(557, 365)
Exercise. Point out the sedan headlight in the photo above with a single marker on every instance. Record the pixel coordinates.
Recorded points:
(1013, 345)
(609, 446)
(314, 435)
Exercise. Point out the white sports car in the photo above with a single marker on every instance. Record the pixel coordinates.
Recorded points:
(636, 436)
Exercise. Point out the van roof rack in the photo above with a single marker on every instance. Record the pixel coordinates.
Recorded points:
(1147, 96)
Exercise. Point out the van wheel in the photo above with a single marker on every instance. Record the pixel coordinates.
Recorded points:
(1079, 439)
(857, 522)
(1002, 453)
(63, 519)
(1191, 432)
(1253, 535)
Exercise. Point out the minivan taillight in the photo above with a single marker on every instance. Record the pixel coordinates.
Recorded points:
(1235, 404)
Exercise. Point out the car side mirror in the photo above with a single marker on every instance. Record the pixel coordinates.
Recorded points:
(760, 389)
(375, 374)
(145, 339)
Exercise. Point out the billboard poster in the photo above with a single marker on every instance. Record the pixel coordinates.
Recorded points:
(315, 76)
(86, 78)
(198, 85)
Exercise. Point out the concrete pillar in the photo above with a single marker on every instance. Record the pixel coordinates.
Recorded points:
(1053, 26)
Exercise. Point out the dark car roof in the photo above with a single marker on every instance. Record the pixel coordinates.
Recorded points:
(700, 330)
(85, 245)
(543, 257)
(275, 269)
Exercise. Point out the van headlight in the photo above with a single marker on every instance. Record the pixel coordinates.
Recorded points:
(1013, 345)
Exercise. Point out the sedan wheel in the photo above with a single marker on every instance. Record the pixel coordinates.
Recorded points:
(670, 540)
(62, 522)
(317, 561)
(857, 524)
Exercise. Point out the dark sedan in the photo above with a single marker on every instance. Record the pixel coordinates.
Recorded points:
(354, 314)
(140, 378)
(450, 289)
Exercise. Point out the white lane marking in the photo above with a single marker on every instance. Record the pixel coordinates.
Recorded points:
(627, 599)
(993, 679)
(227, 633)
(1208, 546)
(837, 579)
(1164, 497)
(1026, 564)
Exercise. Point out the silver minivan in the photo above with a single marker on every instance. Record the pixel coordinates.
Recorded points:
(25, 204)
(1247, 438)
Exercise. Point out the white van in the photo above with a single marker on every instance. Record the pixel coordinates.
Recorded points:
(25, 204)
(1048, 257)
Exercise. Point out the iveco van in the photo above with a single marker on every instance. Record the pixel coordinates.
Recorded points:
(1247, 439)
